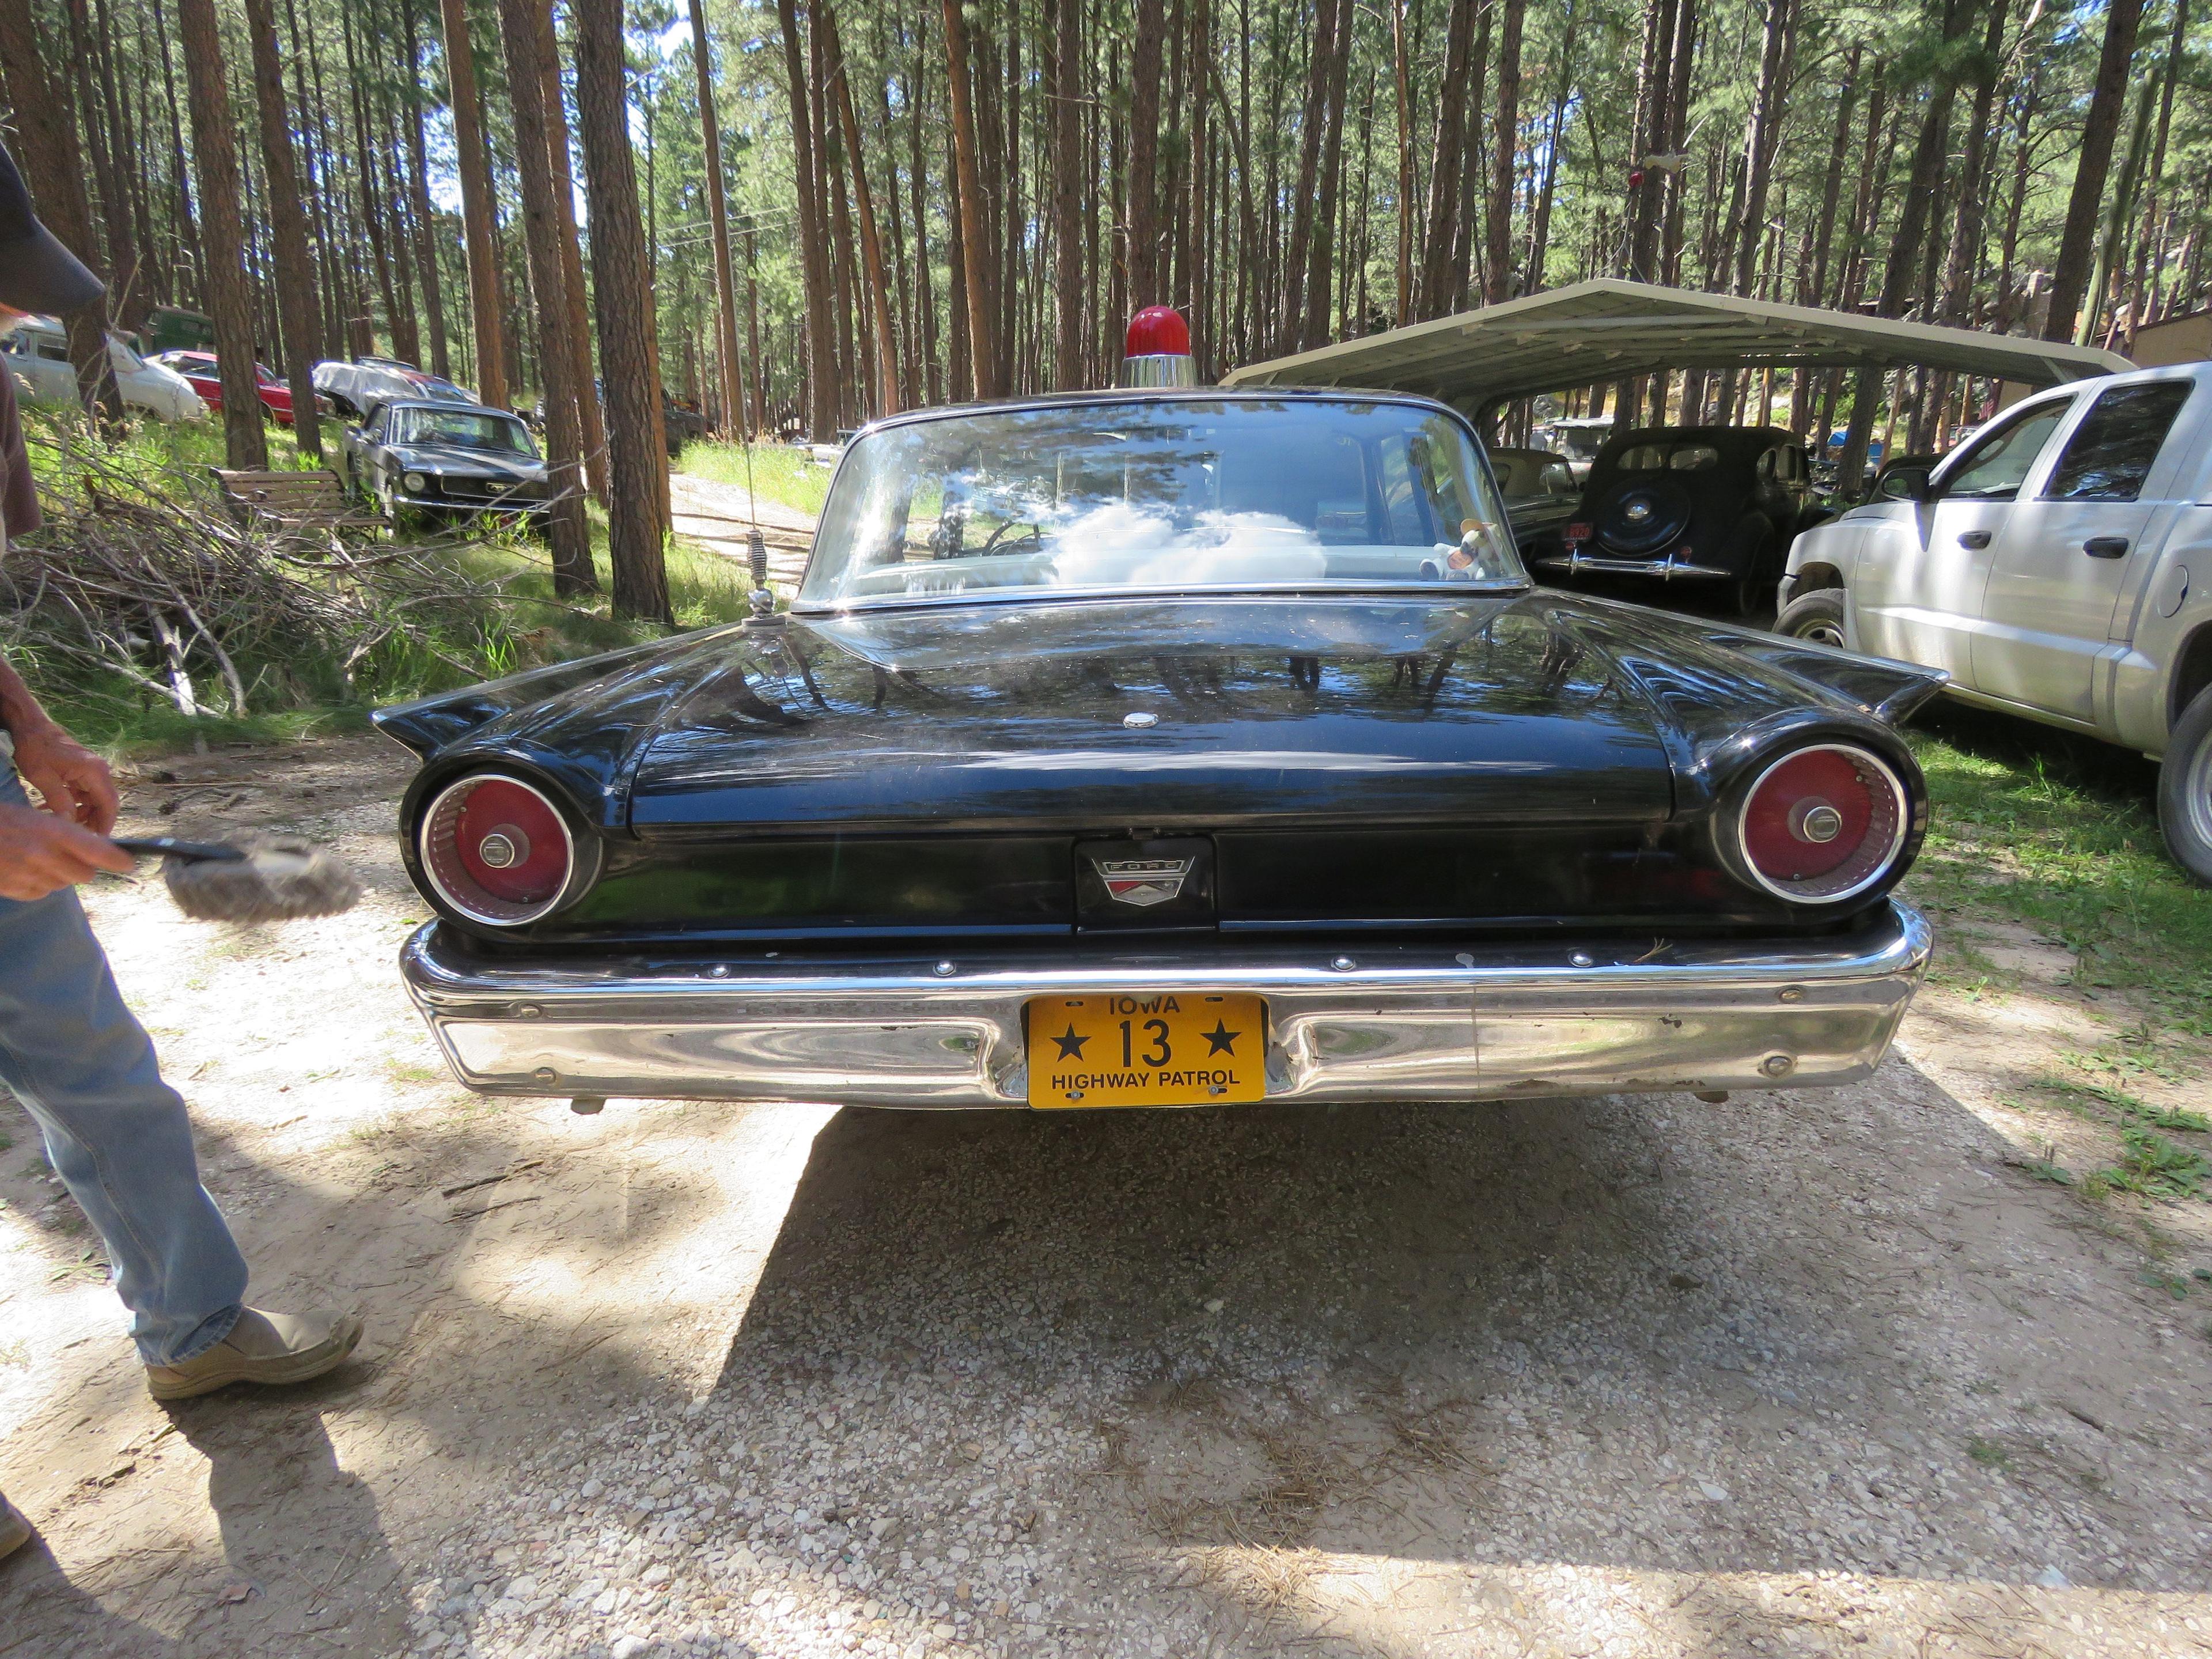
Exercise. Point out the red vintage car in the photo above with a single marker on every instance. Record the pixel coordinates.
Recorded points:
(199, 368)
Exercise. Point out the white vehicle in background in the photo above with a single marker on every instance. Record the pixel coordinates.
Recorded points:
(2058, 566)
(1578, 437)
(37, 353)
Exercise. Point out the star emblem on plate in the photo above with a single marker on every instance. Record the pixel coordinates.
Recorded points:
(1222, 1039)
(1071, 1046)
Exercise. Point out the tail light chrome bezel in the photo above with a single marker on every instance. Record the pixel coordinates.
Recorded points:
(1885, 783)
(436, 851)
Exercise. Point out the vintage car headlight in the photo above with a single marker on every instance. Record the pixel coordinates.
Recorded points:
(500, 852)
(1823, 823)
(414, 484)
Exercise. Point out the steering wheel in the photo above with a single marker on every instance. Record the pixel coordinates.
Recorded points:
(1033, 536)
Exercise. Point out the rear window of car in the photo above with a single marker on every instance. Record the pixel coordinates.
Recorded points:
(2109, 454)
(1669, 457)
(1166, 494)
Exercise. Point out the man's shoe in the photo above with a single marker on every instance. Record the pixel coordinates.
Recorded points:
(262, 1347)
(14, 1531)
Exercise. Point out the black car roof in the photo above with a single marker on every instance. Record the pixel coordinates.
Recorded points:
(1743, 439)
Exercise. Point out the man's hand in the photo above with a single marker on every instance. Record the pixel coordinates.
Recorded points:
(75, 783)
(41, 853)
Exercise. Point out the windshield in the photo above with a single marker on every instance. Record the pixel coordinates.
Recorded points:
(1159, 494)
(461, 428)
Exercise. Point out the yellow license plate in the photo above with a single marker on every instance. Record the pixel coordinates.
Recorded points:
(1147, 1049)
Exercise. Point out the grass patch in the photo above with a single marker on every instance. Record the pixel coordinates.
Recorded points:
(2077, 1095)
(781, 473)
(1990, 1454)
(2061, 834)
(2153, 1167)
(2062, 837)
(149, 447)
(499, 616)
(14, 1352)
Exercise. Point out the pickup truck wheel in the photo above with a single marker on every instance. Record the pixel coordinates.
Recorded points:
(1817, 617)
(2184, 789)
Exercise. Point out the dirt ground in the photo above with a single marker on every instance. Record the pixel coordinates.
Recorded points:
(1828, 1372)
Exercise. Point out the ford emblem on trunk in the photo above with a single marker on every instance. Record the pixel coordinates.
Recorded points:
(1143, 881)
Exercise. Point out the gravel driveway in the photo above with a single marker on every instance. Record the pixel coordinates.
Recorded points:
(1806, 1373)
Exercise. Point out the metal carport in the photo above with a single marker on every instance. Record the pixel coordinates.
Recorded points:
(1606, 329)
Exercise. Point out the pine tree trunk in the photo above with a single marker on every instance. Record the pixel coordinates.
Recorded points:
(1466, 237)
(1319, 259)
(2070, 275)
(1762, 132)
(1065, 67)
(487, 310)
(873, 275)
(974, 255)
(1401, 72)
(94, 77)
(718, 228)
(418, 199)
(296, 283)
(1500, 224)
(591, 425)
(821, 351)
(1144, 286)
(1815, 288)
(1301, 203)
(230, 302)
(2148, 269)
(1434, 298)
(1967, 232)
(629, 347)
(1540, 226)
(55, 173)
(567, 529)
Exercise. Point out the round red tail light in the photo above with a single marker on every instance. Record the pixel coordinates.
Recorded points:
(498, 850)
(1823, 824)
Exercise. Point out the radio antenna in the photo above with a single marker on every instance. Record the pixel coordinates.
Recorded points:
(763, 598)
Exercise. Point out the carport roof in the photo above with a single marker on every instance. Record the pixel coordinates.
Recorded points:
(1606, 329)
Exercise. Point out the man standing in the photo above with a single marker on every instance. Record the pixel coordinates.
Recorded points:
(115, 1134)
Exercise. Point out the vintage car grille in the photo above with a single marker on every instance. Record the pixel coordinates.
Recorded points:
(482, 492)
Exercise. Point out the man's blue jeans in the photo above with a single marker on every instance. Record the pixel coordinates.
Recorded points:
(115, 1132)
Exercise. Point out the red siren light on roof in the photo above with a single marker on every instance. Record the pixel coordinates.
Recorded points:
(1158, 349)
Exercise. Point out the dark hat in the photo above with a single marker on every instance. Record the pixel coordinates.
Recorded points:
(37, 273)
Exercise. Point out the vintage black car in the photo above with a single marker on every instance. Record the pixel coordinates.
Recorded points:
(1168, 748)
(420, 459)
(1716, 506)
(1541, 496)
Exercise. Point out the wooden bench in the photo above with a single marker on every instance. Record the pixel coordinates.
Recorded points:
(294, 500)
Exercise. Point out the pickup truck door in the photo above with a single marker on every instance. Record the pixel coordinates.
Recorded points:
(1918, 592)
(2064, 558)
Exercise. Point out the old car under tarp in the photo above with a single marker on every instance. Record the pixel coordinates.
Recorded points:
(1609, 329)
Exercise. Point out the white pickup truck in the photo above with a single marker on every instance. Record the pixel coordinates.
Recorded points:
(2058, 566)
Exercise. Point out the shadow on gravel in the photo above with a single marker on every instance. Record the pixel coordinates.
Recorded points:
(1644, 1333)
(306, 1562)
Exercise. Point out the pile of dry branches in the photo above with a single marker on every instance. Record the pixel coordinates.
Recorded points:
(154, 581)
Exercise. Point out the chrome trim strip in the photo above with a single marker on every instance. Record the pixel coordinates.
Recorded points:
(1398, 1022)
(1666, 569)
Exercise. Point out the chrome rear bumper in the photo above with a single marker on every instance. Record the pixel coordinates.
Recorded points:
(1346, 1023)
(1666, 568)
